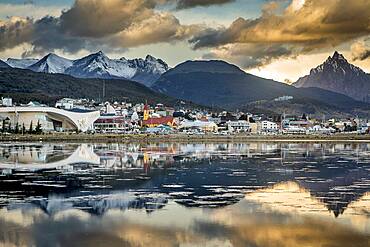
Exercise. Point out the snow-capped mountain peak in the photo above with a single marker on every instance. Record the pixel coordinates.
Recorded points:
(51, 63)
(148, 69)
(98, 65)
(21, 63)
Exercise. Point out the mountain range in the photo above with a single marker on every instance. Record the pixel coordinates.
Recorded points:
(217, 83)
(336, 86)
(338, 75)
(97, 65)
(24, 85)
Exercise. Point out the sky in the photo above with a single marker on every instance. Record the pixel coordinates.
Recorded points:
(280, 40)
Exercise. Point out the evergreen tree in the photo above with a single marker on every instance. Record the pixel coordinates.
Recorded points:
(38, 129)
(30, 130)
(9, 129)
(4, 127)
(16, 129)
(23, 129)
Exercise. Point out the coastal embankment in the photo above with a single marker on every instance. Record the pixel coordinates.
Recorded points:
(80, 137)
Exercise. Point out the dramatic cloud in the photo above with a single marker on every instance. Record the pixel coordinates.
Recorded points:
(249, 55)
(304, 26)
(184, 4)
(15, 31)
(156, 29)
(360, 50)
(93, 24)
(98, 18)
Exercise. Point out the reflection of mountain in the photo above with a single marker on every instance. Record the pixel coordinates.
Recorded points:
(289, 197)
(100, 204)
(235, 226)
(106, 176)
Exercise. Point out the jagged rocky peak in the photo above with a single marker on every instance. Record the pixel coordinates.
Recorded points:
(336, 64)
(337, 56)
(150, 63)
(150, 58)
(98, 56)
(338, 75)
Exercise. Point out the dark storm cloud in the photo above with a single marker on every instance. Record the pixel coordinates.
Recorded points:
(184, 4)
(15, 31)
(93, 24)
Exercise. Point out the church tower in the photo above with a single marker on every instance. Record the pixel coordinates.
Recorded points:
(146, 112)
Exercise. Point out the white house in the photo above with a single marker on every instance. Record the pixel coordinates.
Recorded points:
(205, 126)
(65, 103)
(7, 102)
(268, 126)
(238, 126)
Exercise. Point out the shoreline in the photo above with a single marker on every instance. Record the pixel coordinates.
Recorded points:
(126, 138)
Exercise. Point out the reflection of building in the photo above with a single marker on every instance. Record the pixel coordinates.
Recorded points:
(46, 156)
(272, 170)
(51, 119)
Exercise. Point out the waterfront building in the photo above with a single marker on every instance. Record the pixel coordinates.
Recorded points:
(154, 122)
(204, 126)
(318, 129)
(160, 129)
(50, 118)
(238, 126)
(112, 124)
(268, 126)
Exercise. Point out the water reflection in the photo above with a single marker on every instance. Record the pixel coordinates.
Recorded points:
(251, 194)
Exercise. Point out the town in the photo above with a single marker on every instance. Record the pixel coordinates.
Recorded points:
(84, 115)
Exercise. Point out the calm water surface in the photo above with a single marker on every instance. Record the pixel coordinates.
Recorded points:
(159, 194)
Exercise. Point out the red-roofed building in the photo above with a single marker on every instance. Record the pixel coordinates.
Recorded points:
(154, 122)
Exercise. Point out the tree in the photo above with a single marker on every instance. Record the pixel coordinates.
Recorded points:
(16, 129)
(30, 130)
(38, 129)
(4, 127)
(23, 129)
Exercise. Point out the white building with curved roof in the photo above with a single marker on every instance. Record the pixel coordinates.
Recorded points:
(50, 118)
